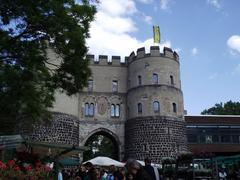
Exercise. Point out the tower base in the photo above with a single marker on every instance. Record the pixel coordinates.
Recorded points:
(155, 137)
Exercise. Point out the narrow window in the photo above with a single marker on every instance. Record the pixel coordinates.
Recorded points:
(171, 80)
(139, 80)
(91, 110)
(156, 106)
(90, 85)
(117, 110)
(112, 110)
(139, 108)
(114, 86)
(155, 78)
(174, 107)
(86, 109)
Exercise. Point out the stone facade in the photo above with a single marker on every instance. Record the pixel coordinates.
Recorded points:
(110, 105)
(64, 129)
(155, 137)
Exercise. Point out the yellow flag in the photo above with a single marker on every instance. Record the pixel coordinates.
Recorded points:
(156, 34)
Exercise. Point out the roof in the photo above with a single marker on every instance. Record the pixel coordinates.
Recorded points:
(213, 119)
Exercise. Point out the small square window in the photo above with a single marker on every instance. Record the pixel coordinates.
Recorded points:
(139, 80)
(90, 85)
(155, 78)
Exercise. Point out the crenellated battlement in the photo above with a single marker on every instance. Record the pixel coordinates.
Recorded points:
(141, 53)
(105, 60)
(154, 51)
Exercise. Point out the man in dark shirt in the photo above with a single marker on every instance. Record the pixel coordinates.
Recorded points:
(137, 170)
(149, 169)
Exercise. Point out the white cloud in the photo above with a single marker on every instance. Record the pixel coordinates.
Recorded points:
(194, 51)
(115, 24)
(118, 8)
(148, 19)
(214, 3)
(178, 50)
(234, 44)
(111, 32)
(213, 76)
(146, 1)
(164, 4)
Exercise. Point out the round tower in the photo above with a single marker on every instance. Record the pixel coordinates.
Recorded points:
(155, 125)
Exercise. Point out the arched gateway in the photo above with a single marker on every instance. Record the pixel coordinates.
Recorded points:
(106, 139)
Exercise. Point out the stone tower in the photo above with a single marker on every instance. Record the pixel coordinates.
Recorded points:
(155, 126)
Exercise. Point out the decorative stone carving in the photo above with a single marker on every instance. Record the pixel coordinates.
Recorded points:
(102, 105)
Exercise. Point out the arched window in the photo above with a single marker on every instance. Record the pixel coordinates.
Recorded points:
(139, 80)
(155, 78)
(112, 110)
(117, 110)
(139, 106)
(156, 106)
(174, 107)
(91, 110)
(171, 80)
(86, 109)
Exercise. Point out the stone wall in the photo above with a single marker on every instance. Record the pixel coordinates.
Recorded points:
(63, 129)
(155, 137)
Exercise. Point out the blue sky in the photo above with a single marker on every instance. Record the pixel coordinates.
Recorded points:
(205, 33)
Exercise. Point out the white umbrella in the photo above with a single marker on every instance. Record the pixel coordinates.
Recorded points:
(105, 161)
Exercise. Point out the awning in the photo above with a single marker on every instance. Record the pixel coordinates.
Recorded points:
(105, 161)
(10, 141)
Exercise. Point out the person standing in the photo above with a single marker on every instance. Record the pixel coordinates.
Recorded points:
(137, 170)
(149, 169)
(111, 172)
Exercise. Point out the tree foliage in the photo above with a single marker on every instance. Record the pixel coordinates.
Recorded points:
(228, 108)
(28, 76)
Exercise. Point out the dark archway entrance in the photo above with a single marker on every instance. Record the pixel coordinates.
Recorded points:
(101, 144)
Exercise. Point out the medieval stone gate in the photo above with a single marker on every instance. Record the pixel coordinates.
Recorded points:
(141, 95)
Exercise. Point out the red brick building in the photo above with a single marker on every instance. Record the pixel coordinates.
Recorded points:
(217, 134)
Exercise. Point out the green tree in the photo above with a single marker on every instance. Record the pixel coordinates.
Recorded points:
(100, 145)
(228, 108)
(28, 77)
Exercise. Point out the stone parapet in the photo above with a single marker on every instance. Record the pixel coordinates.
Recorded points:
(154, 51)
(106, 60)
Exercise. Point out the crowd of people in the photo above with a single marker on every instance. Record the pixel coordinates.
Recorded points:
(133, 170)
